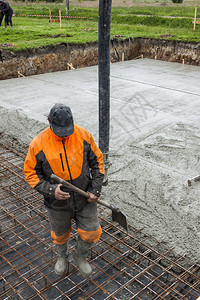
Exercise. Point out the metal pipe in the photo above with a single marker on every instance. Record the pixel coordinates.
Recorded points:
(67, 8)
(104, 79)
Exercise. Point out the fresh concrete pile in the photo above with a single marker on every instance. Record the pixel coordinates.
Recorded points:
(154, 142)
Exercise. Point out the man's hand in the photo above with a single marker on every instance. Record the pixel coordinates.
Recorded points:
(93, 198)
(60, 195)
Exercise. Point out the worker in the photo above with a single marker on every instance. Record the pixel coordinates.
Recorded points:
(1, 16)
(1, 12)
(7, 10)
(68, 151)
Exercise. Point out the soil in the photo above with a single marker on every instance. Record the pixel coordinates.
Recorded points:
(69, 56)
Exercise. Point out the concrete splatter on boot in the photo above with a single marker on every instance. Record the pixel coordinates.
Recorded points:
(61, 266)
(79, 255)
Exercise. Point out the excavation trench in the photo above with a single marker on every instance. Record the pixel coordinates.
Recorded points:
(66, 56)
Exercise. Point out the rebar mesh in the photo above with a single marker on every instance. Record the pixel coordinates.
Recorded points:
(125, 266)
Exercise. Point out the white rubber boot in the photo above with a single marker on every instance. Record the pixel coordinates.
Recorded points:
(61, 266)
(79, 255)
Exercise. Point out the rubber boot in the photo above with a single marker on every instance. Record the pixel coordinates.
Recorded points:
(79, 255)
(61, 266)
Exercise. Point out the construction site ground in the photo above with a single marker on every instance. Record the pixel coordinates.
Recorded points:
(154, 150)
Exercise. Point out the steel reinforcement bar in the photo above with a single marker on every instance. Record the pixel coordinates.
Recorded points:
(125, 266)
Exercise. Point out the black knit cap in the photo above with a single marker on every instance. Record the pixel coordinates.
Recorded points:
(61, 120)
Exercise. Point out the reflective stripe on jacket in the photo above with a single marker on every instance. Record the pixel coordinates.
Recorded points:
(75, 158)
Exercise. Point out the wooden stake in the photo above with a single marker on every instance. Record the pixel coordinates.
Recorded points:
(123, 57)
(195, 17)
(50, 17)
(115, 52)
(20, 74)
(70, 67)
(60, 18)
(140, 56)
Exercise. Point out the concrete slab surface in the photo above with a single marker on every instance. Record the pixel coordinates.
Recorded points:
(154, 138)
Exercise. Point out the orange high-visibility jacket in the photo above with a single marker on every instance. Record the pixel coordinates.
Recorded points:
(75, 158)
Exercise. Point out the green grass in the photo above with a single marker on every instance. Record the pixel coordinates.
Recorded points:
(148, 22)
(174, 10)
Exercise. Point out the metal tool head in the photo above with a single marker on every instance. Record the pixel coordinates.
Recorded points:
(120, 218)
(193, 180)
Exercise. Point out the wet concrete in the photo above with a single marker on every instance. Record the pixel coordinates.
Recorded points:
(154, 140)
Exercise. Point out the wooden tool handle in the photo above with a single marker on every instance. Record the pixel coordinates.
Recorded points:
(81, 192)
(70, 186)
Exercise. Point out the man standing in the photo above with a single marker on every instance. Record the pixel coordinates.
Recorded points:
(2, 9)
(68, 151)
(1, 16)
(7, 11)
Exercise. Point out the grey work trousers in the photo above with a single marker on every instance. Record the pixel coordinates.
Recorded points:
(86, 219)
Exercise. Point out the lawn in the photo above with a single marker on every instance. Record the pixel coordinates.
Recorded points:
(173, 21)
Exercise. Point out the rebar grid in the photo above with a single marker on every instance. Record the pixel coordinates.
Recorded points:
(125, 266)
